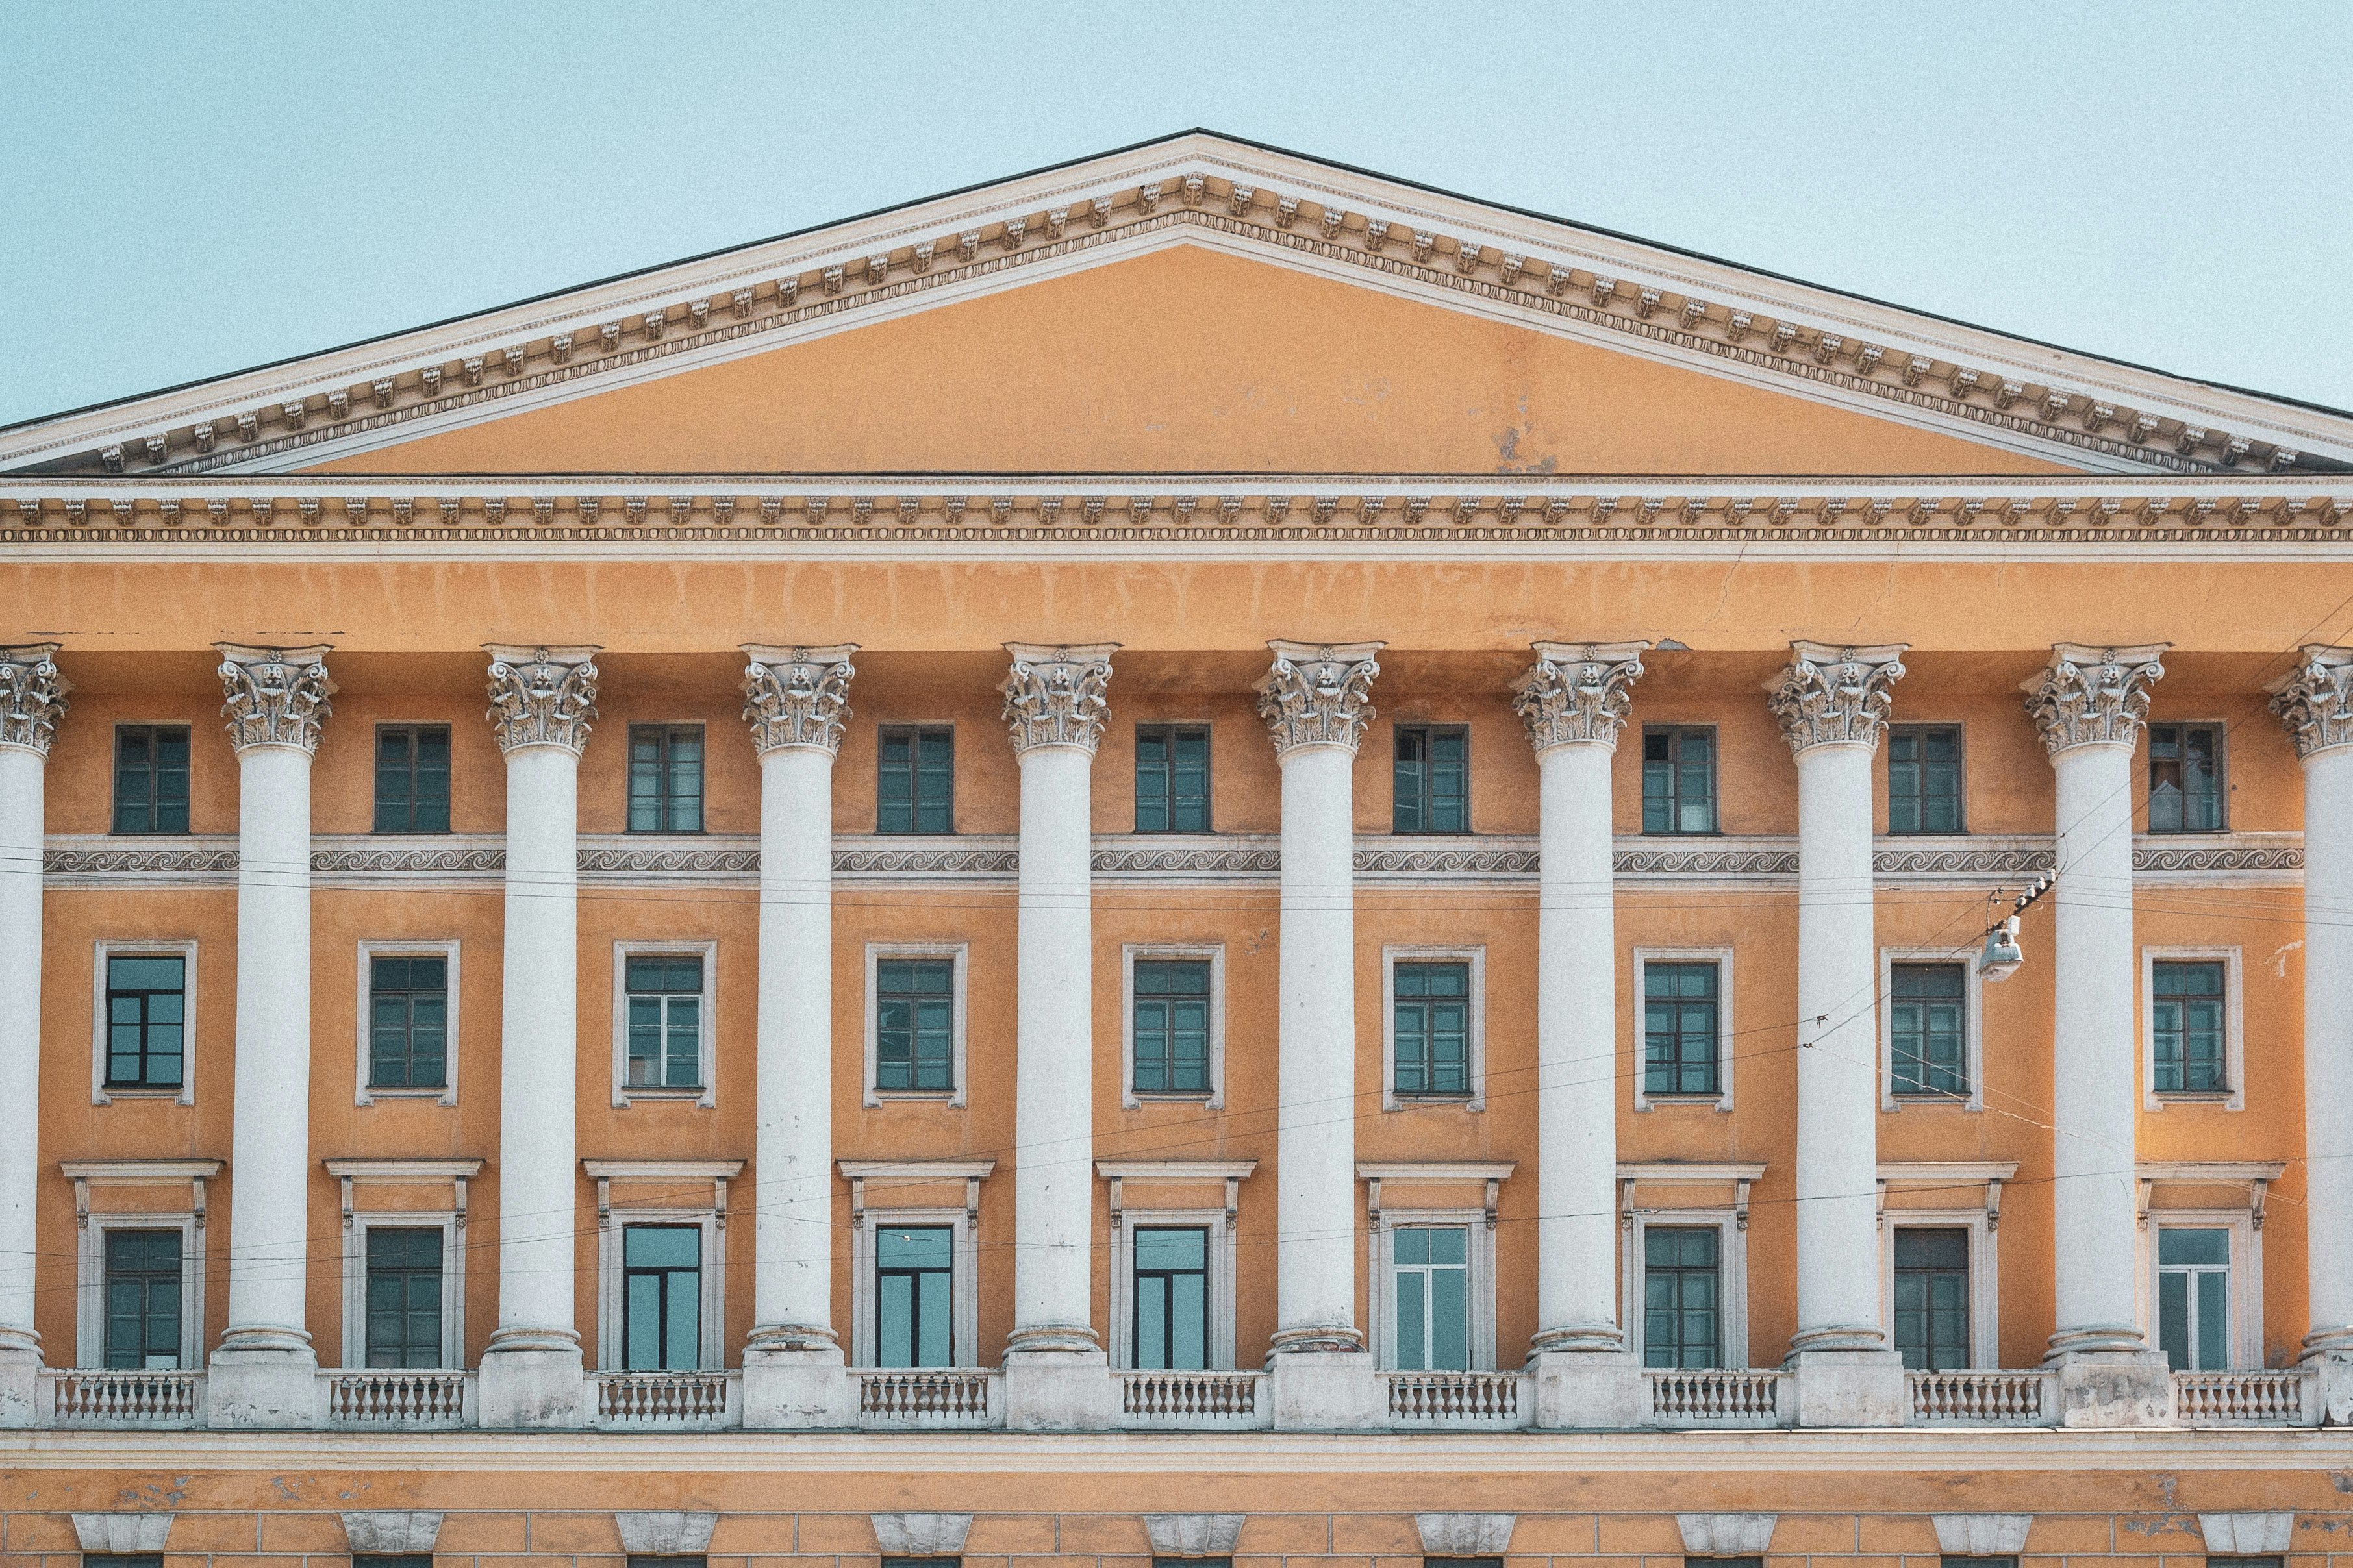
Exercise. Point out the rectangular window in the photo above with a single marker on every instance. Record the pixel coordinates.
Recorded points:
(1923, 778)
(417, 1560)
(2185, 778)
(1431, 1025)
(151, 778)
(916, 783)
(914, 1024)
(644, 1559)
(1682, 1296)
(1932, 1296)
(1433, 779)
(1172, 1299)
(2186, 1020)
(412, 778)
(121, 1560)
(1926, 1029)
(665, 994)
(665, 778)
(2193, 1296)
(403, 1296)
(1171, 1026)
(661, 1297)
(1172, 778)
(1953, 1560)
(1679, 1007)
(143, 1298)
(914, 1294)
(146, 1020)
(409, 1023)
(1430, 1268)
(1678, 779)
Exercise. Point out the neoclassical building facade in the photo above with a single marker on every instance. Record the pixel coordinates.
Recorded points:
(1200, 858)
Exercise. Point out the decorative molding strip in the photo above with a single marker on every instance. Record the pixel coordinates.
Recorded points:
(1492, 861)
(1204, 857)
(989, 859)
(1709, 861)
(480, 858)
(649, 861)
(179, 861)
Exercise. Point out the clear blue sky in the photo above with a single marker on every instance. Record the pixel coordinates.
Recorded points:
(192, 188)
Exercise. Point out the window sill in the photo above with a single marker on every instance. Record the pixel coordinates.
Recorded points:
(408, 1092)
(665, 833)
(2188, 832)
(1465, 1101)
(663, 1091)
(943, 1095)
(410, 832)
(1681, 833)
(1927, 833)
(1715, 1101)
(2195, 1095)
(1166, 1096)
(143, 1091)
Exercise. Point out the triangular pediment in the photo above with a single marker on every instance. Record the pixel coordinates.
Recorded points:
(1196, 305)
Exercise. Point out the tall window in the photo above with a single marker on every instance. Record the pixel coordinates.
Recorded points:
(1932, 1296)
(665, 778)
(1430, 1020)
(1172, 1297)
(915, 1295)
(1433, 779)
(917, 784)
(1683, 1314)
(151, 778)
(1678, 779)
(2185, 778)
(1680, 1006)
(661, 1296)
(1430, 1268)
(403, 1296)
(143, 1298)
(412, 778)
(1923, 778)
(1172, 778)
(665, 994)
(1171, 1026)
(146, 1020)
(914, 1024)
(2193, 1296)
(409, 1023)
(1926, 1032)
(2186, 1017)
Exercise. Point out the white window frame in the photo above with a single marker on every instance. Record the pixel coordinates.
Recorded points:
(669, 1177)
(1985, 1280)
(876, 952)
(1221, 1308)
(1476, 957)
(1724, 1033)
(964, 1325)
(2246, 1291)
(1972, 1026)
(431, 947)
(2234, 1095)
(1215, 955)
(89, 1246)
(1732, 1247)
(1481, 1284)
(453, 1278)
(181, 947)
(707, 1094)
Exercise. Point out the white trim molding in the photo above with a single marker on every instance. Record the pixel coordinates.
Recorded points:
(1475, 956)
(352, 1175)
(674, 1182)
(1972, 1027)
(1383, 1216)
(2230, 1195)
(1730, 1219)
(364, 1093)
(90, 1245)
(1214, 953)
(959, 953)
(180, 947)
(1724, 1033)
(963, 1221)
(1950, 1182)
(2232, 1095)
(1219, 1222)
(706, 1092)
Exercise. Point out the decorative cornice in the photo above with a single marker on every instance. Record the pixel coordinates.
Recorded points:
(1056, 695)
(797, 696)
(2315, 700)
(542, 696)
(274, 696)
(1831, 696)
(1577, 693)
(2091, 696)
(1318, 694)
(32, 696)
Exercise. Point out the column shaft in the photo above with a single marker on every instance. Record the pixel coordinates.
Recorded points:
(792, 1285)
(2328, 1045)
(32, 700)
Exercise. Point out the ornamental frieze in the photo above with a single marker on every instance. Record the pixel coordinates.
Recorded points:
(274, 696)
(32, 696)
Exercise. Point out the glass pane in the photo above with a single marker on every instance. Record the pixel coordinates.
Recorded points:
(144, 973)
(661, 1246)
(2213, 1318)
(682, 1336)
(641, 1321)
(915, 1247)
(1412, 1318)
(2173, 1319)
(1449, 1319)
(2184, 1245)
(1189, 1323)
(894, 1320)
(934, 1346)
(1181, 1249)
(1152, 1321)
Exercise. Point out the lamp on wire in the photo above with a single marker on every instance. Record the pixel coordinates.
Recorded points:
(2002, 955)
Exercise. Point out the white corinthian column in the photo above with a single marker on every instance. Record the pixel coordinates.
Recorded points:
(1316, 700)
(796, 700)
(1056, 1376)
(1833, 704)
(1574, 700)
(542, 699)
(2315, 703)
(2088, 704)
(32, 700)
(263, 1372)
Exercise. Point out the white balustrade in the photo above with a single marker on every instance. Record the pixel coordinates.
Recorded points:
(89, 1397)
(402, 1397)
(1457, 1398)
(2269, 1397)
(1715, 1396)
(1982, 1395)
(665, 1398)
(1175, 1401)
(943, 1397)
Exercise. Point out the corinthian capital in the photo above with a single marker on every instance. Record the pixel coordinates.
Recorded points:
(2315, 700)
(542, 696)
(1056, 696)
(796, 696)
(1835, 696)
(274, 696)
(1578, 692)
(32, 696)
(2094, 695)
(1318, 694)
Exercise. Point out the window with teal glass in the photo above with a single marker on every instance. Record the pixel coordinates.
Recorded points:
(2186, 1021)
(1932, 1296)
(143, 1298)
(1430, 1273)
(2193, 1296)
(915, 1295)
(146, 1020)
(1172, 778)
(661, 1297)
(412, 778)
(1171, 1026)
(2185, 778)
(914, 1024)
(151, 778)
(1171, 1290)
(1433, 779)
(1682, 1296)
(665, 778)
(403, 1296)
(409, 1023)
(1430, 1027)
(1678, 779)
(915, 784)
(1923, 778)
(665, 1000)
(1680, 1006)
(1926, 1029)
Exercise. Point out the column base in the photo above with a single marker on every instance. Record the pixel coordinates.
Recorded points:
(263, 1379)
(795, 1382)
(2112, 1387)
(2328, 1355)
(1058, 1391)
(532, 1378)
(20, 1377)
(1848, 1388)
(1589, 1390)
(1326, 1391)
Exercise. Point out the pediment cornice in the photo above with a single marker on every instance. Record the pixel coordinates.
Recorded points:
(1205, 190)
